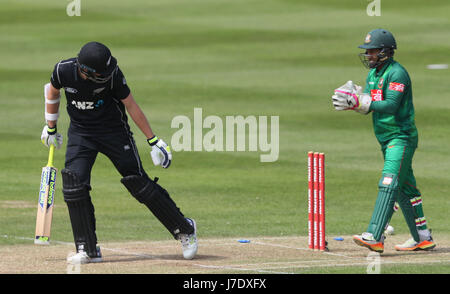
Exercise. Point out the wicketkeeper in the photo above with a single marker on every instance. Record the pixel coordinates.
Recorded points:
(98, 101)
(388, 95)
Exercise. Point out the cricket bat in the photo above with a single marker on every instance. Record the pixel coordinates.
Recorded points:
(45, 202)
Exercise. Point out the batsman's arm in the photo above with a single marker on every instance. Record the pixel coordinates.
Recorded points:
(161, 154)
(138, 116)
(52, 101)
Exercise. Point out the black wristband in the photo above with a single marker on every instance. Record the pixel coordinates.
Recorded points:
(153, 140)
(51, 131)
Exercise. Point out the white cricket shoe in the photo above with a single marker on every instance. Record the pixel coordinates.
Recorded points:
(82, 257)
(426, 242)
(367, 240)
(189, 242)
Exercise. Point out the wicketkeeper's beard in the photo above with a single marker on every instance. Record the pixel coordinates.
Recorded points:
(369, 61)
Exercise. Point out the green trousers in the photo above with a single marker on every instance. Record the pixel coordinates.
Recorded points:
(397, 184)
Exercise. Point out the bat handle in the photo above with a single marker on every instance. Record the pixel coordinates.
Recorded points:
(50, 155)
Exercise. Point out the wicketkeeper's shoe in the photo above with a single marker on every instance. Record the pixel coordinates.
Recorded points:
(189, 241)
(367, 240)
(82, 257)
(426, 243)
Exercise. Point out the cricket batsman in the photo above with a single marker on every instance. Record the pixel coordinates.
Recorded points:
(98, 101)
(388, 96)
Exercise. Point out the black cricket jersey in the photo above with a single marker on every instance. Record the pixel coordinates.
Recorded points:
(94, 109)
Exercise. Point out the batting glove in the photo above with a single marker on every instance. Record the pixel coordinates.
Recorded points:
(350, 96)
(161, 154)
(50, 136)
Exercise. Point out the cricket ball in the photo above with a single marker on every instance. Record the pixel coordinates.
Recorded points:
(389, 230)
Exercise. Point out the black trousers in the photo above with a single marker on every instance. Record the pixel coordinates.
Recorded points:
(120, 148)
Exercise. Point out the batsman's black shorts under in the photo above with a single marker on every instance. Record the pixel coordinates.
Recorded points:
(119, 148)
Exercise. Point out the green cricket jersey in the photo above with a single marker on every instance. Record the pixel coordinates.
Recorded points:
(392, 106)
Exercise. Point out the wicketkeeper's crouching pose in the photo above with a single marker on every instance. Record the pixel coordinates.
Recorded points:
(388, 95)
(97, 101)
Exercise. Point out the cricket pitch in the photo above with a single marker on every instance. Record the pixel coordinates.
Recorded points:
(262, 255)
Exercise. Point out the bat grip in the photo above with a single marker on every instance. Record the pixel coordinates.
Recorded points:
(50, 155)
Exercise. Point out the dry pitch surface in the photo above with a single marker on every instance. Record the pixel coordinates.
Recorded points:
(263, 255)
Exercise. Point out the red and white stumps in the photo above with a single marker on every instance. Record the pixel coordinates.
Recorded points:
(316, 201)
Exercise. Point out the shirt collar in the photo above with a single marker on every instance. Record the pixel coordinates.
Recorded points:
(383, 69)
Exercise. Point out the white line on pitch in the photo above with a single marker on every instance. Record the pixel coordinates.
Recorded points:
(102, 247)
(362, 264)
(306, 249)
(238, 269)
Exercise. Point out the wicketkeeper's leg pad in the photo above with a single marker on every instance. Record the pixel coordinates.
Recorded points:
(388, 189)
(158, 200)
(81, 212)
(410, 215)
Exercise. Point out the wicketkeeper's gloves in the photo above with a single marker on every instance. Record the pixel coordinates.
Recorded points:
(350, 96)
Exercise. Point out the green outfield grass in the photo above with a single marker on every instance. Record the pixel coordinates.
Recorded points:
(272, 58)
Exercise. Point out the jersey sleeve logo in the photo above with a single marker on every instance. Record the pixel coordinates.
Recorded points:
(396, 87)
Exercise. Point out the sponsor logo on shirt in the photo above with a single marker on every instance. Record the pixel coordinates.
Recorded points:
(387, 181)
(377, 94)
(83, 105)
(396, 87)
(99, 103)
(70, 90)
(87, 105)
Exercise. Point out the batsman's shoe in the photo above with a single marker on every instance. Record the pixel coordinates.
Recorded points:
(367, 240)
(426, 242)
(82, 257)
(189, 242)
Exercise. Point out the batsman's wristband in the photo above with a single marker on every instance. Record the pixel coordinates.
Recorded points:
(51, 131)
(152, 141)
